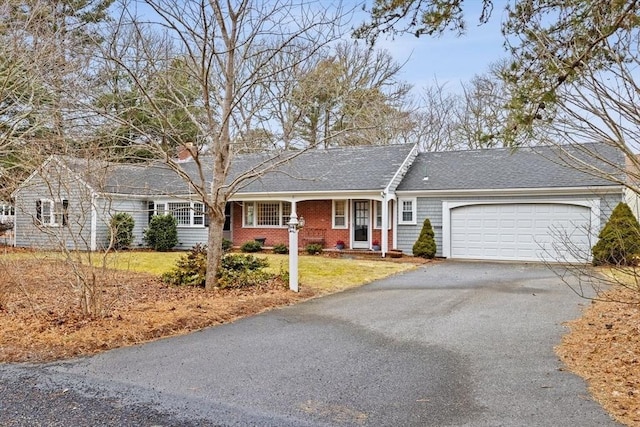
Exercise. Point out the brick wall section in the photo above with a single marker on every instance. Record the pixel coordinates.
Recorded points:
(316, 213)
(241, 235)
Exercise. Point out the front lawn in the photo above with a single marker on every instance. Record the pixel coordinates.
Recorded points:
(318, 272)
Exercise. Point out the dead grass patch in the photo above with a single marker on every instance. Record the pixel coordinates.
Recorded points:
(40, 316)
(603, 347)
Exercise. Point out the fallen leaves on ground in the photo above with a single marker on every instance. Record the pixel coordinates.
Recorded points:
(41, 319)
(603, 347)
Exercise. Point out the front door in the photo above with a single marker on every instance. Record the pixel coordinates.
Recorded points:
(361, 220)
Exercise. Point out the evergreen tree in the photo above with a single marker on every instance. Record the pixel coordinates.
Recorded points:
(619, 242)
(425, 246)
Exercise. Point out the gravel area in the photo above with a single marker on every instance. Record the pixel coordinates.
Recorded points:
(28, 398)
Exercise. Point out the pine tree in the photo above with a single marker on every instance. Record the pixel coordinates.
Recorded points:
(619, 242)
(425, 246)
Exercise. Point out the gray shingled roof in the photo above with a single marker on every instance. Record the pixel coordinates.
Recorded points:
(361, 168)
(120, 178)
(538, 167)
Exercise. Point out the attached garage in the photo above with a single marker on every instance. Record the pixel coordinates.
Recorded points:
(523, 231)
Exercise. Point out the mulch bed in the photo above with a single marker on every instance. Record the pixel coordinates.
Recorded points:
(603, 347)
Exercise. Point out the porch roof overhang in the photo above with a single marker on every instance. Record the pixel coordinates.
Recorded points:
(308, 195)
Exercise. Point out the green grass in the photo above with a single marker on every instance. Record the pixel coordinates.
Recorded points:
(140, 261)
(333, 274)
(318, 272)
(145, 262)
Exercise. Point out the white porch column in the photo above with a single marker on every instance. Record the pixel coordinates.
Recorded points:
(293, 248)
(384, 229)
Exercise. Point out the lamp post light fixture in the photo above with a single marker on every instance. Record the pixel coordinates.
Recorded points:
(295, 225)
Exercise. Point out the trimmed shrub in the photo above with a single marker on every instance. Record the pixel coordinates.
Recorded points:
(240, 271)
(251, 246)
(314, 249)
(190, 269)
(226, 245)
(238, 262)
(162, 233)
(425, 246)
(619, 242)
(121, 230)
(280, 248)
(236, 270)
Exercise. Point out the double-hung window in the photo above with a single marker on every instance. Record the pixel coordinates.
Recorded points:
(6, 210)
(407, 211)
(266, 214)
(339, 214)
(52, 213)
(187, 214)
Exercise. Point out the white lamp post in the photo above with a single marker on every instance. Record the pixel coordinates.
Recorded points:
(294, 227)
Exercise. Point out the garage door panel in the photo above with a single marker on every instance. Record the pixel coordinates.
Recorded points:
(525, 231)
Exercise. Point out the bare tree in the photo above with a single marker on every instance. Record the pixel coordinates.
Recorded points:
(470, 119)
(353, 96)
(229, 52)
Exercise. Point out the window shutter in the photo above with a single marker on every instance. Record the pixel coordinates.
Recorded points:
(206, 218)
(151, 207)
(65, 215)
(39, 210)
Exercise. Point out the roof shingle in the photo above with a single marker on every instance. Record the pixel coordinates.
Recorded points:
(504, 168)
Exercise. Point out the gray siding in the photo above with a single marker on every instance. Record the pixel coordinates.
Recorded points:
(190, 236)
(427, 207)
(76, 234)
(107, 207)
(431, 207)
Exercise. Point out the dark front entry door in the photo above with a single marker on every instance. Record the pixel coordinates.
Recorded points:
(361, 220)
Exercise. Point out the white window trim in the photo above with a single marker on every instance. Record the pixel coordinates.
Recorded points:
(166, 210)
(283, 222)
(376, 213)
(346, 215)
(414, 210)
(52, 212)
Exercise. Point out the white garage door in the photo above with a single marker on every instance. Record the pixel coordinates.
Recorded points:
(529, 232)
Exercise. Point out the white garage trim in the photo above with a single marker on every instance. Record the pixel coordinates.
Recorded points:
(592, 204)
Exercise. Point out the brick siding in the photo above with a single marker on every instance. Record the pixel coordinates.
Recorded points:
(316, 213)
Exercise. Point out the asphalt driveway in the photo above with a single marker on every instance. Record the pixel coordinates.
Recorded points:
(462, 344)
